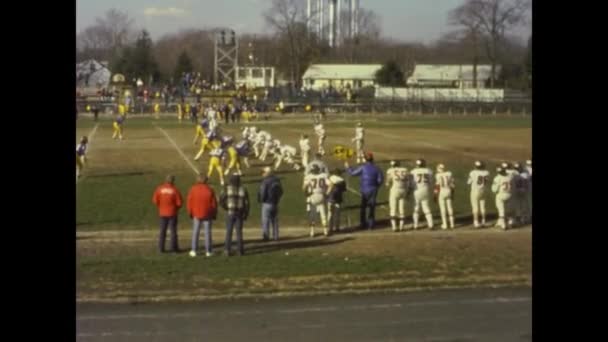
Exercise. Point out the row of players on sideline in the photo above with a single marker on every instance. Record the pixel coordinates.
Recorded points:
(512, 184)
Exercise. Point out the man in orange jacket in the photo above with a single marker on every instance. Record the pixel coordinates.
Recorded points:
(202, 207)
(168, 199)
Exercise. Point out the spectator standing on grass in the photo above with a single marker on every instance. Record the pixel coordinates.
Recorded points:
(168, 199)
(202, 208)
(269, 195)
(372, 178)
(235, 200)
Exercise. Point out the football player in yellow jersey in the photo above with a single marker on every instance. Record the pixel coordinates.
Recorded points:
(215, 162)
(117, 125)
(180, 115)
(157, 110)
(121, 109)
(187, 109)
(200, 132)
(234, 160)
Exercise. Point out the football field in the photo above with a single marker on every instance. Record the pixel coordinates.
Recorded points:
(116, 222)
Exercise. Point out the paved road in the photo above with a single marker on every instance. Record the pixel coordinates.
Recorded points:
(448, 315)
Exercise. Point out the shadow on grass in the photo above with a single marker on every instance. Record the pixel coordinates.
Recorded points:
(310, 242)
(255, 241)
(103, 175)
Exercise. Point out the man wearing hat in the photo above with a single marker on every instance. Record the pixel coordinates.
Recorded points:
(372, 178)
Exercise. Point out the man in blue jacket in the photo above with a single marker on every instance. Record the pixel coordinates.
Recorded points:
(269, 195)
(372, 178)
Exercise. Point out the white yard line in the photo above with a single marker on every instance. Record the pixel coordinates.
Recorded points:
(179, 150)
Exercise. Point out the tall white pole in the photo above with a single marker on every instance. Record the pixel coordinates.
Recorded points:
(308, 14)
(332, 23)
(356, 18)
(321, 10)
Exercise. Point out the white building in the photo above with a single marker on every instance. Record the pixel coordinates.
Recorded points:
(255, 77)
(450, 76)
(339, 76)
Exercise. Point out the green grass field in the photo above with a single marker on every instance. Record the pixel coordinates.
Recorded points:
(116, 223)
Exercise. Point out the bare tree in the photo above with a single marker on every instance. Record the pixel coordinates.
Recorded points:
(109, 33)
(490, 20)
(288, 19)
(117, 28)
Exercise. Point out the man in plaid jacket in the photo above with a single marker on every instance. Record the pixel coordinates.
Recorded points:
(235, 200)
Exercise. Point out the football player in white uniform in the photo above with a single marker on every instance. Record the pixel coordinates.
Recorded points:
(422, 183)
(358, 139)
(286, 153)
(315, 186)
(444, 190)
(320, 131)
(502, 187)
(398, 180)
(479, 180)
(304, 149)
(260, 140)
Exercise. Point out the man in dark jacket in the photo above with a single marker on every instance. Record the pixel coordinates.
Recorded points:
(269, 195)
(371, 180)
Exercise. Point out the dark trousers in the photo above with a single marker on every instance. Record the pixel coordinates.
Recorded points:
(234, 221)
(334, 216)
(226, 117)
(368, 201)
(171, 222)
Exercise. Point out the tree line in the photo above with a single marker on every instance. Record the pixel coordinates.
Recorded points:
(481, 34)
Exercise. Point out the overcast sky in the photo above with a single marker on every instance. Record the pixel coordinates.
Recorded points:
(406, 20)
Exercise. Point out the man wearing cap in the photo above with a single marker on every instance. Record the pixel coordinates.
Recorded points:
(372, 178)
(168, 199)
(269, 195)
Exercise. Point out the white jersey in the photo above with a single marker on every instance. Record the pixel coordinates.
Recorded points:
(211, 114)
(304, 145)
(287, 150)
(422, 178)
(479, 180)
(319, 130)
(529, 170)
(317, 184)
(503, 184)
(212, 124)
(263, 135)
(359, 133)
(397, 178)
(444, 180)
(245, 132)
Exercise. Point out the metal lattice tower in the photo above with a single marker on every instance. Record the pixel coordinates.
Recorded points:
(225, 56)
